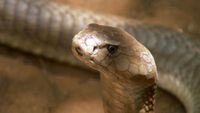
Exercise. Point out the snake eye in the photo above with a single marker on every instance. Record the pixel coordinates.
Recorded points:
(112, 48)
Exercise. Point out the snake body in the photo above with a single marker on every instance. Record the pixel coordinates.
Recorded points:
(45, 28)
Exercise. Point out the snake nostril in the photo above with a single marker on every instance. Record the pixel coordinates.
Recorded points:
(79, 51)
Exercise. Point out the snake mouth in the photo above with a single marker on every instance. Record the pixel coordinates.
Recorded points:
(79, 51)
(91, 60)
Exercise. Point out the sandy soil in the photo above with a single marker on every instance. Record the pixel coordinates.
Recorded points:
(30, 84)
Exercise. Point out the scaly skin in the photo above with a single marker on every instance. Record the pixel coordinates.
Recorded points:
(46, 28)
(128, 70)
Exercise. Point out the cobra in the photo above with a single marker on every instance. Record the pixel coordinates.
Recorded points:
(128, 70)
(45, 28)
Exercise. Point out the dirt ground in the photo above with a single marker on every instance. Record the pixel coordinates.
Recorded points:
(31, 84)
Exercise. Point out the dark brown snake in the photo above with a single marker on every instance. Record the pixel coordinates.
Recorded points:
(45, 28)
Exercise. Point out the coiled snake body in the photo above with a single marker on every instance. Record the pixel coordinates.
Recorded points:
(46, 28)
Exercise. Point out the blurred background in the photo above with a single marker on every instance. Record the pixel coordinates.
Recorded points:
(180, 14)
(32, 84)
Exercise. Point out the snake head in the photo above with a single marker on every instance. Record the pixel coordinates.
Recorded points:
(109, 49)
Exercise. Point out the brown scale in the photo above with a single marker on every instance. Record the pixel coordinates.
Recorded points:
(149, 105)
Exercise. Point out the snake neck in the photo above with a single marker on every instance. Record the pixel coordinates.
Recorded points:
(133, 95)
